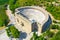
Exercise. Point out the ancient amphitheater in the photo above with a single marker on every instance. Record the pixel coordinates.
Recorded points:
(32, 18)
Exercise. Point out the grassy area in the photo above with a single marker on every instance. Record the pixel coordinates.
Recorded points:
(2, 27)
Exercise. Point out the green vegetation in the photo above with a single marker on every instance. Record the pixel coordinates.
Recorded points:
(35, 37)
(12, 31)
(2, 2)
(13, 5)
(8, 32)
(3, 17)
(56, 22)
(54, 10)
(55, 27)
(48, 35)
(19, 3)
(57, 36)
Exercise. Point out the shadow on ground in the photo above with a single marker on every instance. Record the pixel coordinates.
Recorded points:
(23, 35)
(47, 24)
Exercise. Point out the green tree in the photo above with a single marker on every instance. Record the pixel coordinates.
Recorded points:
(12, 31)
(15, 33)
(57, 36)
(2, 2)
(3, 17)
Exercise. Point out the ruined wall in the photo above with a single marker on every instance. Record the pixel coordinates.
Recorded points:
(24, 24)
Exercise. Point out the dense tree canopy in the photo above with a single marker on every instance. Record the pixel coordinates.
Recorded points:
(12, 31)
(3, 17)
(2, 2)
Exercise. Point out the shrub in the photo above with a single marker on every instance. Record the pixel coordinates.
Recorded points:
(36, 37)
(55, 27)
(12, 31)
(8, 32)
(2, 2)
(15, 33)
(57, 36)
